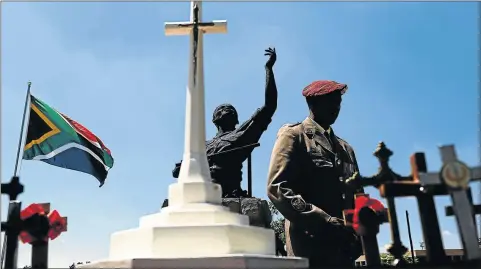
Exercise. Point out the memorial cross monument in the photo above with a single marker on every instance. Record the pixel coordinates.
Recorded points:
(195, 230)
(456, 176)
(195, 167)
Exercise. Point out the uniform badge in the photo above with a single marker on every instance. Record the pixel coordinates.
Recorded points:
(299, 204)
(310, 132)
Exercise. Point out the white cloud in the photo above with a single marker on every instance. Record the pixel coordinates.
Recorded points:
(447, 233)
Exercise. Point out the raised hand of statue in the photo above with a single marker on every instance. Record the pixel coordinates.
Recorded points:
(271, 52)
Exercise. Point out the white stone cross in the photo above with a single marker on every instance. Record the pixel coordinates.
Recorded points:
(195, 167)
(456, 175)
(195, 230)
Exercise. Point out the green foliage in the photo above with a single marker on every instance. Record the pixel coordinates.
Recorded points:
(409, 258)
(278, 227)
(387, 259)
(273, 209)
(277, 223)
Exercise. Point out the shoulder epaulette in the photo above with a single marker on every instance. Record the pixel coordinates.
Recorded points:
(286, 127)
(291, 124)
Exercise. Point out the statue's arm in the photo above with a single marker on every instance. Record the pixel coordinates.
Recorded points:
(284, 170)
(257, 124)
(270, 101)
(252, 129)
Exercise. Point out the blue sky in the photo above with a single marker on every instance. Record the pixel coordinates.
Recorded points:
(411, 69)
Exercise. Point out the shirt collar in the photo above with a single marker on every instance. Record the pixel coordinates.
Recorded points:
(320, 127)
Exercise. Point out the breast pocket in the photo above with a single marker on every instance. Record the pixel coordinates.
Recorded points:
(349, 169)
(348, 166)
(321, 161)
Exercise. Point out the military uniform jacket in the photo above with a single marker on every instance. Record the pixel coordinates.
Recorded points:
(306, 184)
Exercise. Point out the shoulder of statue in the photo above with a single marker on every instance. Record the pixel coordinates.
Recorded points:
(292, 128)
(248, 122)
(255, 114)
(230, 137)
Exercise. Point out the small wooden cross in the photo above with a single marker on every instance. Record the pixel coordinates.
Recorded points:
(387, 181)
(475, 176)
(369, 222)
(392, 185)
(13, 189)
(433, 242)
(40, 246)
(432, 178)
(456, 176)
(12, 228)
(449, 211)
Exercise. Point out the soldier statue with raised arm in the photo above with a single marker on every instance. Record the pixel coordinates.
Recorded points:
(238, 141)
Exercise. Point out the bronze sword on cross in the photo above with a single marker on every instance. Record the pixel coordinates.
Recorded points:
(195, 31)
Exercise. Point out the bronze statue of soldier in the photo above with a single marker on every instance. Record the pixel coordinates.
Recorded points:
(238, 141)
(308, 167)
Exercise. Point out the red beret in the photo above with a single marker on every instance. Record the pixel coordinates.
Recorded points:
(322, 87)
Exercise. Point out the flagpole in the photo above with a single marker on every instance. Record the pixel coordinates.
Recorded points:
(12, 261)
(21, 138)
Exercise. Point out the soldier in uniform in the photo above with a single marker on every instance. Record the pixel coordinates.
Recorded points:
(308, 167)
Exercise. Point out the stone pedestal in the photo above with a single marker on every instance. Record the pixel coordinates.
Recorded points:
(256, 209)
(203, 234)
(228, 262)
(193, 220)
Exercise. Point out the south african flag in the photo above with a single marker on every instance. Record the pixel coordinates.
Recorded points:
(56, 139)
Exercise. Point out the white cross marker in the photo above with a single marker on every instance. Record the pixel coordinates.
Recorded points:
(195, 167)
(432, 178)
(456, 175)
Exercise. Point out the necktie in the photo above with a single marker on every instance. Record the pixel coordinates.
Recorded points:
(329, 138)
